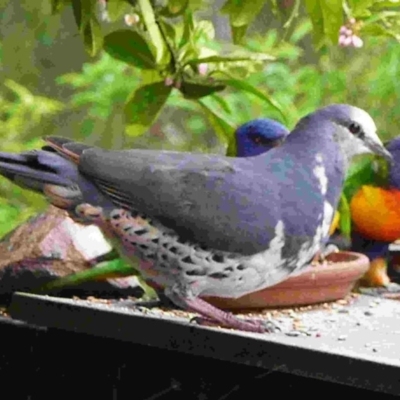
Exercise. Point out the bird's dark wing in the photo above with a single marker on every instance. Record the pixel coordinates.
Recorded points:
(228, 204)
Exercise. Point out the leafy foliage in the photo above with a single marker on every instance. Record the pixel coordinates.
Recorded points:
(22, 112)
(161, 67)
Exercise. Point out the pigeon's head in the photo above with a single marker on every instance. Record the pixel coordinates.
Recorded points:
(258, 136)
(355, 131)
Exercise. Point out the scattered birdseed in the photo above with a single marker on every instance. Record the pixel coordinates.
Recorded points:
(368, 313)
(3, 312)
(342, 338)
(293, 333)
(332, 319)
(93, 299)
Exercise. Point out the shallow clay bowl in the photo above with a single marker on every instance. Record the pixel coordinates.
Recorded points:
(317, 284)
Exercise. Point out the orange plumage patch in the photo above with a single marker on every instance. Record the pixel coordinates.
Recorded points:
(375, 213)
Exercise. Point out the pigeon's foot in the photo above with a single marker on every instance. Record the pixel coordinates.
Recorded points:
(212, 316)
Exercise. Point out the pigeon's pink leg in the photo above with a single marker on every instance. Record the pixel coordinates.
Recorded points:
(213, 316)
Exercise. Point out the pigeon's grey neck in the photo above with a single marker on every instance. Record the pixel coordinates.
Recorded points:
(313, 135)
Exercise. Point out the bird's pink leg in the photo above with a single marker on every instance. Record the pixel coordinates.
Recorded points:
(213, 316)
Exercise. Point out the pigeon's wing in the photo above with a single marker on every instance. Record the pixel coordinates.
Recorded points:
(211, 200)
(229, 204)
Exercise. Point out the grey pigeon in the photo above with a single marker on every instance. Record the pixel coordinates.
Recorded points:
(208, 225)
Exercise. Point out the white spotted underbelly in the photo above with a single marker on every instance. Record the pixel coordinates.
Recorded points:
(166, 261)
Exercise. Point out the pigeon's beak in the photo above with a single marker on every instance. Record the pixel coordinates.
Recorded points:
(378, 148)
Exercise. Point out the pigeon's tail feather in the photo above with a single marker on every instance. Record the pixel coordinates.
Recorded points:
(44, 172)
(66, 147)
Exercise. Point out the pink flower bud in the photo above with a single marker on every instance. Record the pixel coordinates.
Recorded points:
(349, 32)
(343, 30)
(168, 81)
(342, 38)
(347, 41)
(352, 21)
(357, 42)
(202, 68)
(103, 10)
(131, 19)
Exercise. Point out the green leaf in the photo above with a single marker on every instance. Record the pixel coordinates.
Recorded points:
(204, 31)
(157, 41)
(383, 23)
(131, 47)
(333, 18)
(84, 11)
(241, 14)
(77, 10)
(326, 17)
(92, 37)
(188, 28)
(169, 30)
(233, 58)
(378, 5)
(90, 29)
(117, 8)
(359, 163)
(57, 5)
(112, 269)
(375, 30)
(174, 8)
(238, 33)
(193, 88)
(222, 103)
(196, 5)
(177, 7)
(359, 7)
(247, 87)
(345, 216)
(144, 105)
(224, 129)
(362, 171)
(315, 12)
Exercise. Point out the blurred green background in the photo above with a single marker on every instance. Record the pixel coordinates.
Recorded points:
(49, 85)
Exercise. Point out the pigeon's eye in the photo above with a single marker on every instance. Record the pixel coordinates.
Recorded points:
(355, 129)
(257, 139)
(261, 140)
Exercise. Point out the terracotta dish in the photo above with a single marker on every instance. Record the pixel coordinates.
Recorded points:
(319, 283)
